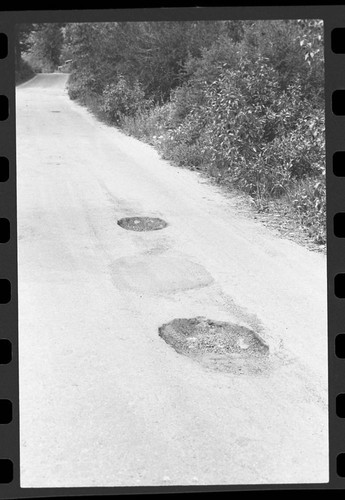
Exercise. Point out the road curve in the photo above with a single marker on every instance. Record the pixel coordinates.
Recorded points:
(104, 401)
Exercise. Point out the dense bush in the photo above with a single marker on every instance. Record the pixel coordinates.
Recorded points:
(39, 45)
(123, 99)
(242, 101)
(258, 126)
(152, 52)
(250, 131)
(83, 86)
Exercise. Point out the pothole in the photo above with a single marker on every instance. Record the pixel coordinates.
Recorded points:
(54, 111)
(142, 223)
(218, 345)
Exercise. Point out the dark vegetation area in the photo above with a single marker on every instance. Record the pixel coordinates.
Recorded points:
(240, 101)
(39, 46)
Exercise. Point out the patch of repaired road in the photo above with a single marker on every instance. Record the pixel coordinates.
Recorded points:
(158, 274)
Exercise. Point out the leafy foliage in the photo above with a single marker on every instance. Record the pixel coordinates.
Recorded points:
(251, 115)
(38, 46)
(123, 99)
(46, 43)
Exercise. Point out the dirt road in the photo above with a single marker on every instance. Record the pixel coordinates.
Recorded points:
(104, 401)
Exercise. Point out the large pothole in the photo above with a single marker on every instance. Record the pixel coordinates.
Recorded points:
(142, 223)
(218, 345)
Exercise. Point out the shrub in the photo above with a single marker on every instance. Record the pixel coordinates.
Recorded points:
(308, 201)
(122, 99)
(81, 85)
(254, 134)
(149, 124)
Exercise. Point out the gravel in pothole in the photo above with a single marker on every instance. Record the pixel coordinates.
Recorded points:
(218, 345)
(142, 223)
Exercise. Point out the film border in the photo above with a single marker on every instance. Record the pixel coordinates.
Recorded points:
(334, 17)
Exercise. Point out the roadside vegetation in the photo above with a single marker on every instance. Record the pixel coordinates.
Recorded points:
(38, 48)
(242, 102)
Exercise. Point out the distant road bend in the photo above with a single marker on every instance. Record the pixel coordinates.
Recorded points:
(104, 401)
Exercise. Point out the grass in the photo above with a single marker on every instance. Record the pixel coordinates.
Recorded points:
(294, 219)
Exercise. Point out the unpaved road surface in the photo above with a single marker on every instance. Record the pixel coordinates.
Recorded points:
(104, 401)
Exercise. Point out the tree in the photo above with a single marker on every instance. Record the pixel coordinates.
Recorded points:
(46, 42)
(22, 40)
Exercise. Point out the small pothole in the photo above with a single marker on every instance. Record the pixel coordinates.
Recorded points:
(142, 223)
(54, 111)
(219, 345)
